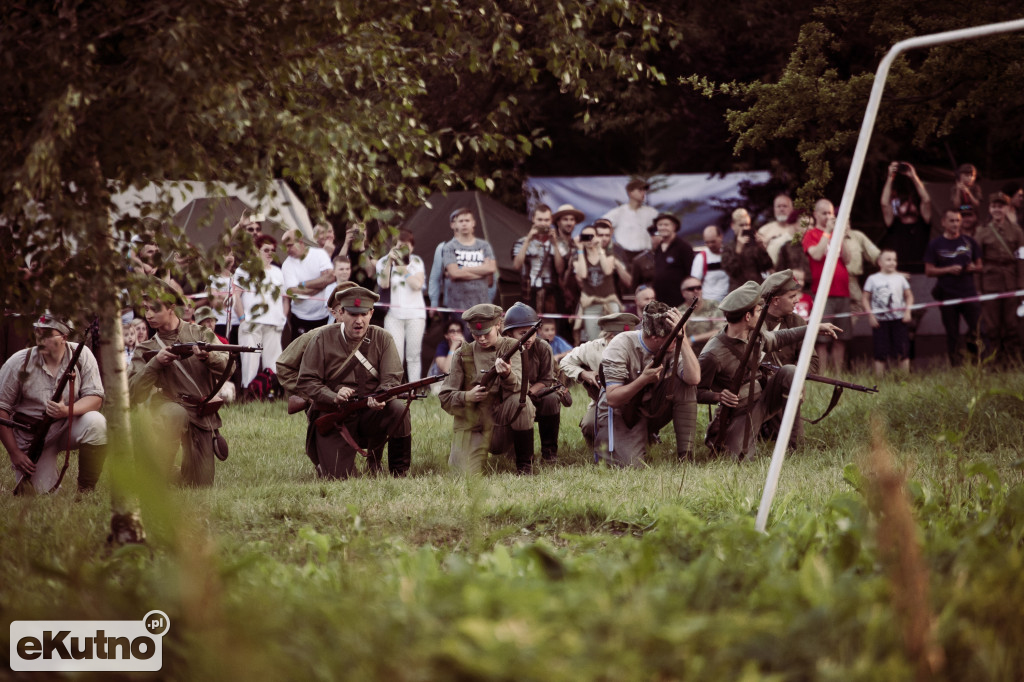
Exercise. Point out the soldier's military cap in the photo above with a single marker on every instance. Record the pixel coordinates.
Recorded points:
(741, 299)
(49, 321)
(619, 322)
(340, 289)
(481, 317)
(356, 300)
(782, 282)
(204, 312)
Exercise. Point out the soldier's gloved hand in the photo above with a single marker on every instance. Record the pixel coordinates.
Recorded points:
(476, 394)
(344, 393)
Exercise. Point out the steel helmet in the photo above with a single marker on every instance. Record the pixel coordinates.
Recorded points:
(520, 315)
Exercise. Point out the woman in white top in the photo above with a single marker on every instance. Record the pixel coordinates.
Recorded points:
(403, 273)
(261, 309)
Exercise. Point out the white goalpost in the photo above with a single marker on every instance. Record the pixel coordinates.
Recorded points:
(842, 220)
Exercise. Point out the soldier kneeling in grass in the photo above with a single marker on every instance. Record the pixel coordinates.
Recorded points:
(483, 392)
(547, 396)
(339, 361)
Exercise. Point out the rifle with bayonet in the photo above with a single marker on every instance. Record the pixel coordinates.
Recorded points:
(837, 392)
(338, 412)
(185, 350)
(487, 378)
(631, 410)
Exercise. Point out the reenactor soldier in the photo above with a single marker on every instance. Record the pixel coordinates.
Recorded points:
(538, 375)
(28, 382)
(723, 355)
(781, 316)
(583, 362)
(478, 410)
(178, 390)
(628, 371)
(339, 361)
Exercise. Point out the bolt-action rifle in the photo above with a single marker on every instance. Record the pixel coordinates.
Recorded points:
(339, 412)
(631, 410)
(184, 350)
(487, 378)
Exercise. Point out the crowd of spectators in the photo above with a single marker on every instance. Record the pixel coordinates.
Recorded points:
(574, 269)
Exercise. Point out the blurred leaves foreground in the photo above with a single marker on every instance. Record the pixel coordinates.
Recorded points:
(577, 573)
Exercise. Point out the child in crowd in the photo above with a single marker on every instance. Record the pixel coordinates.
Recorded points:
(803, 306)
(559, 346)
(888, 298)
(342, 273)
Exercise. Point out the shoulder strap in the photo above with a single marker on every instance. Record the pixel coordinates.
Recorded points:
(468, 362)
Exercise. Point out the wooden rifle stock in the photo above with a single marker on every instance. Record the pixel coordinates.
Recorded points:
(338, 413)
(35, 449)
(631, 410)
(184, 350)
(487, 378)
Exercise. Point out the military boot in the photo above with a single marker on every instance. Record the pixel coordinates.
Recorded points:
(90, 465)
(522, 442)
(547, 425)
(400, 455)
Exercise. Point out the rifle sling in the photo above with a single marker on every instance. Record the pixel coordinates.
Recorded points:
(67, 444)
(837, 393)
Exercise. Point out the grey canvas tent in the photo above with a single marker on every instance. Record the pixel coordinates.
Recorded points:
(495, 223)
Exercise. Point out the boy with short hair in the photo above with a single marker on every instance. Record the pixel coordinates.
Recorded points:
(887, 298)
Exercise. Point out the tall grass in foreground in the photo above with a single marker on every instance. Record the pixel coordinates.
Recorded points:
(579, 572)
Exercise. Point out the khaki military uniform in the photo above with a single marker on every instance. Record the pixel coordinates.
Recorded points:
(475, 422)
(586, 357)
(330, 362)
(1002, 272)
(623, 361)
(174, 421)
(718, 363)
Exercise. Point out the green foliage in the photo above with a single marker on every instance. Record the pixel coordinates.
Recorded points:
(577, 573)
(937, 100)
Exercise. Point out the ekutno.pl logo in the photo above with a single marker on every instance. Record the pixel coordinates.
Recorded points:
(89, 645)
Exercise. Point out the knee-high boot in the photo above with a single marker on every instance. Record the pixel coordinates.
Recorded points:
(547, 425)
(522, 441)
(90, 465)
(400, 455)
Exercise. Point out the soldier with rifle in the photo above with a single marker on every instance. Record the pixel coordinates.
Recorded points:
(50, 398)
(640, 370)
(341, 361)
(180, 388)
(583, 362)
(483, 391)
(538, 376)
(780, 315)
(729, 368)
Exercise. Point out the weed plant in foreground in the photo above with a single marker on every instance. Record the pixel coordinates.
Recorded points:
(579, 572)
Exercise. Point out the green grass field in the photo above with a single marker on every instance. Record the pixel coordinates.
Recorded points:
(579, 572)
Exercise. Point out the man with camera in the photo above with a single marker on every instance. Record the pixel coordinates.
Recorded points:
(745, 260)
(540, 258)
(909, 222)
(673, 260)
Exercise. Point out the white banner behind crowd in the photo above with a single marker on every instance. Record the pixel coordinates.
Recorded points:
(696, 198)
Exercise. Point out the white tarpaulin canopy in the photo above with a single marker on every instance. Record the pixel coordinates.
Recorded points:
(281, 205)
(696, 198)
